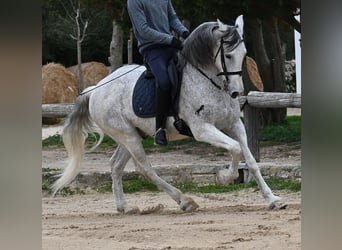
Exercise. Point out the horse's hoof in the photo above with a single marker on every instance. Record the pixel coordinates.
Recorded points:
(188, 205)
(151, 210)
(277, 205)
(130, 210)
(224, 177)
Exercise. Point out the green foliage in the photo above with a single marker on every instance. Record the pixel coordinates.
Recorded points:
(289, 131)
(107, 142)
(138, 185)
(57, 46)
(48, 178)
(172, 145)
(193, 188)
(107, 188)
(58, 25)
(291, 84)
(53, 141)
(276, 184)
(142, 185)
(57, 141)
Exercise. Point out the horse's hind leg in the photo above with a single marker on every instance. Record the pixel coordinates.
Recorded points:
(144, 167)
(239, 133)
(118, 163)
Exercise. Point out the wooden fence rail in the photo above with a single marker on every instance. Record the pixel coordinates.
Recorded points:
(56, 110)
(254, 99)
(250, 104)
(273, 100)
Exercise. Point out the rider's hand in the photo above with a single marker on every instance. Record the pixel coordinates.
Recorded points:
(185, 34)
(176, 43)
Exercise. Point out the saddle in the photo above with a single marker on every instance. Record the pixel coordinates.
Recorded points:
(144, 96)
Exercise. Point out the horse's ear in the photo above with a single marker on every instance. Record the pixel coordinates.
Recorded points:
(239, 24)
(221, 26)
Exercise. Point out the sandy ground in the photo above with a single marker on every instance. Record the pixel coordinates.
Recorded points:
(238, 220)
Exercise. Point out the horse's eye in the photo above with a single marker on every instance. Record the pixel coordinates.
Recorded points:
(228, 56)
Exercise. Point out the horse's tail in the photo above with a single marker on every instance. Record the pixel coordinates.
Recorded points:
(75, 131)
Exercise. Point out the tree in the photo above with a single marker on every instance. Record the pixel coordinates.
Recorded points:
(118, 10)
(268, 23)
(265, 20)
(75, 14)
(57, 44)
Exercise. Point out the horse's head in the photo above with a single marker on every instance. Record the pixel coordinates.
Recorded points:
(230, 53)
(214, 46)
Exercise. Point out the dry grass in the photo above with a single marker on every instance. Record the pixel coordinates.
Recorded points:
(93, 72)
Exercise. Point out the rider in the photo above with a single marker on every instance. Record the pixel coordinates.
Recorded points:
(153, 23)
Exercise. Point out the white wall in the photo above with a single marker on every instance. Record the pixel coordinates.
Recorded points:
(297, 38)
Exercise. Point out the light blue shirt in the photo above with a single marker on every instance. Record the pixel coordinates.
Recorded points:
(153, 22)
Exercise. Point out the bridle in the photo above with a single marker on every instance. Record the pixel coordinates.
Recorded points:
(223, 63)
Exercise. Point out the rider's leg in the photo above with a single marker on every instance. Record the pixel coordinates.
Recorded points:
(158, 59)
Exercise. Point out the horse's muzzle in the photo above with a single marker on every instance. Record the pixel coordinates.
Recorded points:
(234, 90)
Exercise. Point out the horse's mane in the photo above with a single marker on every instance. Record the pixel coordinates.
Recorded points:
(198, 48)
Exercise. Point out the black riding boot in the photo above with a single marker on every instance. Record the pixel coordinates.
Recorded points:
(162, 107)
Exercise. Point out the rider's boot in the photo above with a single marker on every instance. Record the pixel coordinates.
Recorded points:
(162, 107)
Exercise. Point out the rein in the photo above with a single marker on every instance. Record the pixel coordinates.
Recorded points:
(96, 87)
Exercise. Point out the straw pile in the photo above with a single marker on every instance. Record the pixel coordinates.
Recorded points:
(58, 86)
(93, 72)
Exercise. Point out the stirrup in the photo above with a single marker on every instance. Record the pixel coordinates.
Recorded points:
(160, 137)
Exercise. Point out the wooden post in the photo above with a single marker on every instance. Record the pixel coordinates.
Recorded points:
(251, 121)
(130, 48)
(116, 47)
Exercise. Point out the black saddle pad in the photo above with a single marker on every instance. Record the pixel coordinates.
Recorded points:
(144, 94)
(144, 97)
(144, 102)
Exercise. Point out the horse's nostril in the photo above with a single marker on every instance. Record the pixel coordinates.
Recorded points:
(234, 94)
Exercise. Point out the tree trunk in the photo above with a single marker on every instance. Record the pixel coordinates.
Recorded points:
(251, 117)
(272, 72)
(278, 67)
(79, 65)
(261, 57)
(116, 47)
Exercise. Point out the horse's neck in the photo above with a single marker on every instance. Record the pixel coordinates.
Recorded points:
(202, 78)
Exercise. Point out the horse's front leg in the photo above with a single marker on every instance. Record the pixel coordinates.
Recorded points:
(238, 132)
(210, 134)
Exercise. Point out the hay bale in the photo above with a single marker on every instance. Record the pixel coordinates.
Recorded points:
(58, 86)
(253, 73)
(92, 72)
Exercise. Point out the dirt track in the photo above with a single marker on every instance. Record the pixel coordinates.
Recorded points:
(237, 220)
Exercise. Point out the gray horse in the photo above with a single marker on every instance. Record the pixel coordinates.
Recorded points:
(211, 62)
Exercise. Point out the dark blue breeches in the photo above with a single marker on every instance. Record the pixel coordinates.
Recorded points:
(158, 60)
